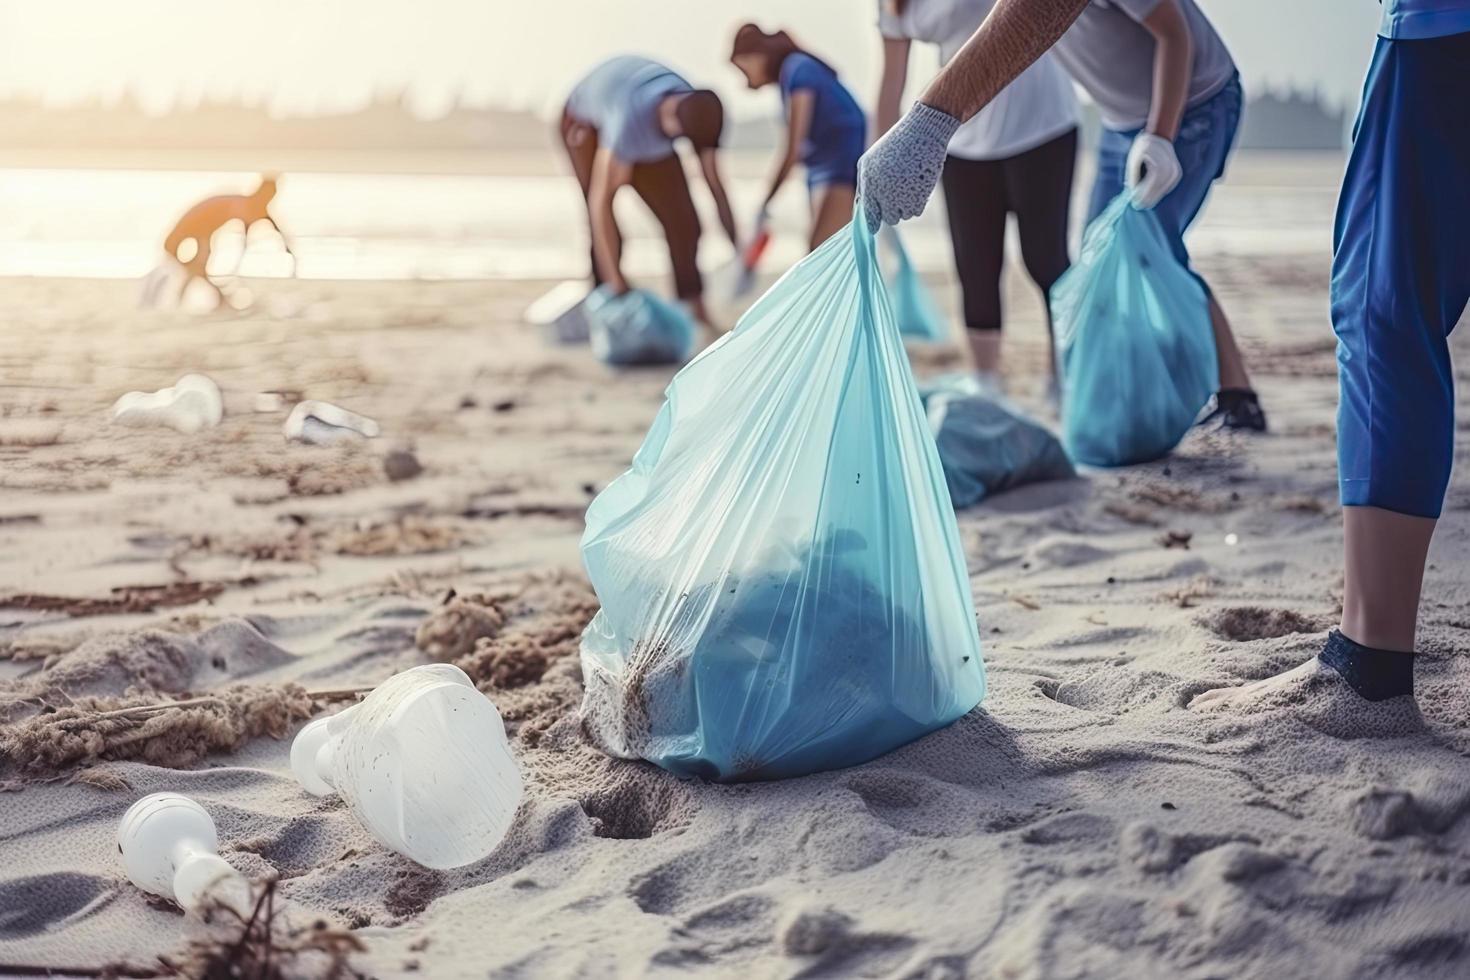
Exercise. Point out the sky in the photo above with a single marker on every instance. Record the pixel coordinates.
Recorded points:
(306, 56)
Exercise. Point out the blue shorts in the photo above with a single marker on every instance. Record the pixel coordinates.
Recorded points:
(1206, 135)
(834, 164)
(1401, 275)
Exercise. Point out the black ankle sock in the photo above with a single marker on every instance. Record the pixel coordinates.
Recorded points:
(1228, 398)
(1376, 675)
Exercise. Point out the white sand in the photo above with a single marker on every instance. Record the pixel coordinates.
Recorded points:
(1083, 823)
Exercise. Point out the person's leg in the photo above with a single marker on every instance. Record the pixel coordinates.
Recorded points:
(1112, 163)
(1039, 189)
(1400, 282)
(975, 199)
(831, 211)
(1203, 144)
(665, 190)
(580, 142)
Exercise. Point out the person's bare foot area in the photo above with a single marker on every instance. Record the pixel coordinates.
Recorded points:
(1318, 696)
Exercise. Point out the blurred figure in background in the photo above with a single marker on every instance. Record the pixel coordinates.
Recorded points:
(189, 244)
(1015, 156)
(825, 128)
(619, 128)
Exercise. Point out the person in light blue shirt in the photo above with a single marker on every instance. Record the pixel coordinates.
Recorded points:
(619, 127)
(826, 130)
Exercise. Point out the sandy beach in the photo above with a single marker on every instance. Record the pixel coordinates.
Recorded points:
(1083, 822)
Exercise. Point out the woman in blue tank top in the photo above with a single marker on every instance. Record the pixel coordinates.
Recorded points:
(825, 128)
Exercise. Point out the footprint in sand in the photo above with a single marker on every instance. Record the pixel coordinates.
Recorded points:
(1244, 623)
(44, 903)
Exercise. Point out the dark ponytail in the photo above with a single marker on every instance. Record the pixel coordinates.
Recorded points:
(776, 48)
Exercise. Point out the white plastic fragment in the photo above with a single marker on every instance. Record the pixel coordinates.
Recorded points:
(192, 403)
(423, 763)
(170, 848)
(323, 424)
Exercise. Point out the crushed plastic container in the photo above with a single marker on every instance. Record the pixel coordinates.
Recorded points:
(170, 848)
(986, 444)
(560, 314)
(192, 403)
(1135, 347)
(422, 762)
(637, 327)
(782, 585)
(914, 308)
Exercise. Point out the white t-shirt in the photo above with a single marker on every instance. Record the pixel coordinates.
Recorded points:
(1038, 106)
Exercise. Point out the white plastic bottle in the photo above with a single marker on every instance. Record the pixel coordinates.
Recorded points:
(424, 764)
(170, 848)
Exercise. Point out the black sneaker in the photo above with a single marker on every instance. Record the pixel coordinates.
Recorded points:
(1236, 408)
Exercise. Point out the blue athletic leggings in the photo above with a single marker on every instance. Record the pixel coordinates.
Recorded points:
(1401, 275)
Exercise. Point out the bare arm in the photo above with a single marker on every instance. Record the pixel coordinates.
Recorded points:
(890, 89)
(1016, 33)
(709, 162)
(1173, 61)
(608, 174)
(799, 113)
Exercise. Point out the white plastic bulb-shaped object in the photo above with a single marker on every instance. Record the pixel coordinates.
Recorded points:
(423, 762)
(170, 848)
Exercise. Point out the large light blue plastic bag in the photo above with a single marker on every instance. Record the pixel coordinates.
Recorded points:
(782, 585)
(1135, 349)
(637, 328)
(914, 307)
(987, 445)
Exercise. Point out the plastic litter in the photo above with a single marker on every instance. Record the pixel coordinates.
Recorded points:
(637, 328)
(1135, 348)
(914, 308)
(192, 403)
(422, 762)
(170, 848)
(559, 312)
(782, 585)
(987, 445)
(324, 424)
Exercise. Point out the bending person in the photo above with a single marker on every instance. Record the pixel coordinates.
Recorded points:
(619, 128)
(1015, 156)
(1170, 100)
(825, 128)
(200, 223)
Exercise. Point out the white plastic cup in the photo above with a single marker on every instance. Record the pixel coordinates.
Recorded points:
(423, 762)
(170, 848)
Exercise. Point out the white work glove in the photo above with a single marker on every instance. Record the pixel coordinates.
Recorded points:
(1153, 170)
(899, 172)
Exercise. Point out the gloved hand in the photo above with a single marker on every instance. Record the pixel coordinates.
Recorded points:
(1153, 170)
(898, 173)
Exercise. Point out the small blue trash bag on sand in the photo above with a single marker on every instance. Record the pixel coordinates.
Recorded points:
(637, 328)
(1135, 348)
(913, 306)
(985, 444)
(782, 585)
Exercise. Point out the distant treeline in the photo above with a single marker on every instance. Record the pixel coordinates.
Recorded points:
(1290, 120)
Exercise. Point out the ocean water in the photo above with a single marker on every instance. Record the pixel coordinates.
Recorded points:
(111, 223)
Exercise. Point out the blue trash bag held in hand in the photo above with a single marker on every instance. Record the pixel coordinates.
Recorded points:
(782, 585)
(913, 306)
(1135, 348)
(637, 328)
(986, 445)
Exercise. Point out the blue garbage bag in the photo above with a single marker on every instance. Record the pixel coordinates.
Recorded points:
(987, 445)
(637, 328)
(1135, 348)
(913, 305)
(782, 585)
